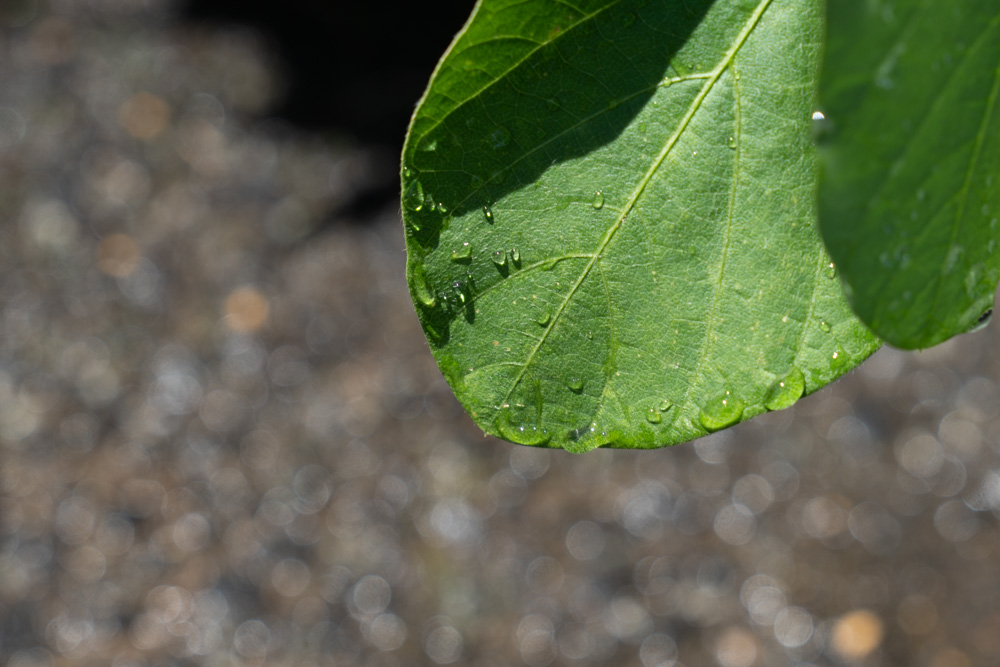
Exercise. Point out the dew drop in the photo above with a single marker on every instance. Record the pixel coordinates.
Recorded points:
(575, 385)
(831, 270)
(544, 318)
(413, 197)
(421, 289)
(462, 254)
(488, 214)
(500, 258)
(441, 208)
(598, 201)
(838, 360)
(665, 405)
(515, 256)
(720, 412)
(458, 287)
(499, 138)
(428, 146)
(732, 143)
(824, 326)
(407, 172)
(786, 391)
(520, 434)
(653, 416)
(818, 115)
(982, 322)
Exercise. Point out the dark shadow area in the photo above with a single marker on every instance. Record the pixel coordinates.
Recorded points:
(353, 68)
(566, 99)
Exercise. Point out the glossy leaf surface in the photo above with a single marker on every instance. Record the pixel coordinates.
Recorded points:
(910, 193)
(610, 220)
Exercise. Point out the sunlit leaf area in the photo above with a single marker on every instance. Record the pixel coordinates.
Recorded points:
(225, 441)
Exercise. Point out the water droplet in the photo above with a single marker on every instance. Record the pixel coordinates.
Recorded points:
(421, 289)
(720, 412)
(838, 360)
(653, 416)
(441, 208)
(488, 214)
(982, 322)
(613, 104)
(548, 265)
(462, 254)
(413, 197)
(499, 138)
(520, 434)
(407, 172)
(732, 143)
(831, 270)
(824, 326)
(575, 385)
(786, 391)
(515, 256)
(818, 115)
(428, 146)
(500, 258)
(590, 335)
(598, 201)
(458, 287)
(544, 318)
(665, 405)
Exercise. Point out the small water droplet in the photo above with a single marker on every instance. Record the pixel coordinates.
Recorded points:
(665, 405)
(462, 254)
(407, 172)
(720, 412)
(732, 143)
(575, 385)
(548, 265)
(458, 287)
(544, 318)
(642, 128)
(421, 289)
(428, 146)
(499, 138)
(515, 256)
(499, 258)
(786, 391)
(982, 322)
(838, 360)
(598, 201)
(441, 209)
(590, 335)
(413, 197)
(825, 326)
(831, 270)
(488, 214)
(818, 115)
(653, 416)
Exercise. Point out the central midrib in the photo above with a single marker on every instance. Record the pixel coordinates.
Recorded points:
(641, 187)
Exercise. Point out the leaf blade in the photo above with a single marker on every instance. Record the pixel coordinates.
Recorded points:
(650, 281)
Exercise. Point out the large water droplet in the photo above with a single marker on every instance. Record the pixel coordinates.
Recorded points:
(653, 416)
(499, 258)
(521, 434)
(598, 200)
(488, 214)
(462, 254)
(786, 391)
(732, 143)
(665, 405)
(544, 318)
(721, 411)
(982, 322)
(413, 196)
(824, 326)
(575, 385)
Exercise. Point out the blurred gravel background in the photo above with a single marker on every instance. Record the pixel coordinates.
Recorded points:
(223, 440)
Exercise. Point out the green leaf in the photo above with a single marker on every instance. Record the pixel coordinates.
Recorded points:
(910, 193)
(610, 221)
